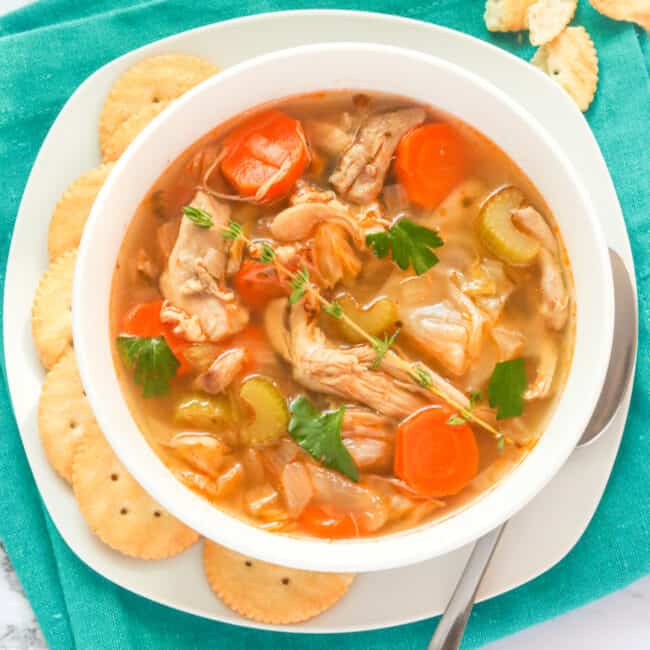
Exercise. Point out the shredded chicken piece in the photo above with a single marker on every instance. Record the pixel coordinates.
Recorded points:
(298, 222)
(185, 325)
(222, 372)
(145, 265)
(345, 372)
(296, 487)
(546, 366)
(327, 137)
(492, 305)
(360, 174)
(509, 342)
(370, 454)
(533, 223)
(202, 451)
(332, 490)
(555, 299)
(360, 422)
(194, 280)
(333, 255)
(276, 328)
(475, 317)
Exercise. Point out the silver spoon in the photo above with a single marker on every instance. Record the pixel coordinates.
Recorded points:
(451, 627)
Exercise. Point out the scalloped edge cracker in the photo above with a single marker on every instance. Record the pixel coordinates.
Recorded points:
(72, 210)
(130, 128)
(118, 510)
(268, 593)
(635, 11)
(571, 61)
(506, 15)
(150, 81)
(52, 309)
(547, 19)
(64, 414)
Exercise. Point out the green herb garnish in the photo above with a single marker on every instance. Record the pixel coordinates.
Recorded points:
(409, 244)
(198, 217)
(152, 360)
(233, 231)
(456, 420)
(422, 377)
(268, 253)
(475, 397)
(382, 347)
(319, 434)
(334, 309)
(299, 283)
(501, 443)
(506, 388)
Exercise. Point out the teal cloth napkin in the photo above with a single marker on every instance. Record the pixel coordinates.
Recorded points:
(46, 50)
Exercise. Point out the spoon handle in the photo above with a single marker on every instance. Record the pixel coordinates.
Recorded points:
(451, 626)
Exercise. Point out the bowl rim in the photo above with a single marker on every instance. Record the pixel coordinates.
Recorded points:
(387, 551)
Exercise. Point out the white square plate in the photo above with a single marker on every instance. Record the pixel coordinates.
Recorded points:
(536, 539)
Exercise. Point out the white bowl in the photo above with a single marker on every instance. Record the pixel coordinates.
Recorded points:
(362, 67)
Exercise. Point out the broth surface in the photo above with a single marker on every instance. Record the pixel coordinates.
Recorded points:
(467, 313)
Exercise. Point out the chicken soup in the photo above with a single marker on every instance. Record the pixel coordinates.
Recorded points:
(342, 315)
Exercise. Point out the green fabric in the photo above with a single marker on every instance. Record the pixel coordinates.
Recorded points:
(46, 50)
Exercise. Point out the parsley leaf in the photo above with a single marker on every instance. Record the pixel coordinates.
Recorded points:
(320, 435)
(198, 217)
(506, 388)
(409, 243)
(151, 359)
(299, 284)
(381, 347)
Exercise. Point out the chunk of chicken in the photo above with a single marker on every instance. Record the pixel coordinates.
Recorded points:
(555, 298)
(333, 255)
(193, 281)
(509, 342)
(276, 327)
(345, 372)
(145, 265)
(299, 221)
(360, 422)
(360, 173)
(327, 137)
(546, 367)
(186, 326)
(222, 371)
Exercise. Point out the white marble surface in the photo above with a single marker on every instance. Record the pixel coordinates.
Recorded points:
(620, 620)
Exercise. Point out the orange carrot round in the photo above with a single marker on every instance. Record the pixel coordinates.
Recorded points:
(430, 162)
(318, 522)
(144, 320)
(265, 156)
(432, 456)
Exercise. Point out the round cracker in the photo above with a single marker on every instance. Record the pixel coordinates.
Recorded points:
(636, 11)
(150, 81)
(127, 131)
(547, 18)
(571, 61)
(117, 508)
(72, 210)
(64, 414)
(269, 593)
(52, 309)
(506, 15)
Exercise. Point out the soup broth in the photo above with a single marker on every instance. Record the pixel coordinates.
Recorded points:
(342, 315)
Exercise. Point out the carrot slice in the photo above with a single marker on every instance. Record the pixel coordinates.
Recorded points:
(257, 283)
(144, 320)
(317, 522)
(432, 456)
(430, 162)
(265, 156)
